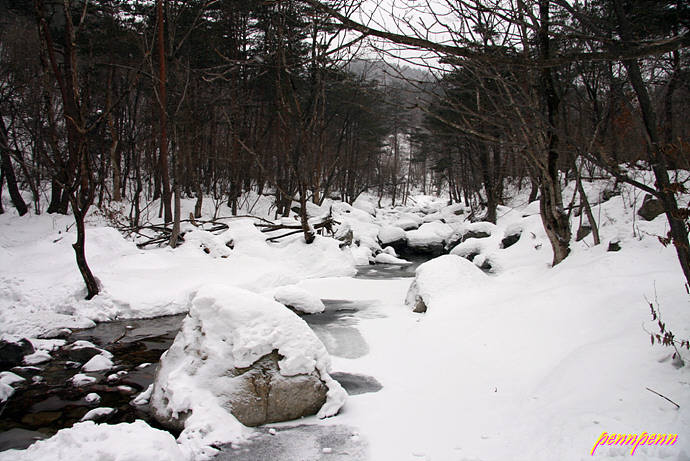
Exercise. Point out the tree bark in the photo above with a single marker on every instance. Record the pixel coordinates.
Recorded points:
(163, 159)
(8, 172)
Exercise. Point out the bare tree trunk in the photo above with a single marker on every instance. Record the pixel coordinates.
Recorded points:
(163, 160)
(8, 172)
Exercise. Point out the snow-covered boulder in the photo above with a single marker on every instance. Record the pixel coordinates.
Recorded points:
(429, 238)
(392, 236)
(442, 276)
(362, 203)
(242, 358)
(408, 221)
(478, 230)
(299, 300)
(12, 352)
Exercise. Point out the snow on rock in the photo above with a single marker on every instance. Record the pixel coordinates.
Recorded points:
(37, 357)
(81, 379)
(98, 414)
(441, 278)
(408, 221)
(391, 235)
(93, 398)
(7, 380)
(363, 203)
(88, 441)
(299, 299)
(429, 238)
(215, 373)
(100, 362)
(345, 210)
(385, 258)
(477, 230)
(362, 255)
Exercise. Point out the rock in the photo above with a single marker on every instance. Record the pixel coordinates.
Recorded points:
(510, 239)
(246, 356)
(299, 300)
(392, 236)
(478, 230)
(263, 395)
(445, 276)
(99, 362)
(82, 351)
(651, 208)
(12, 353)
(56, 333)
(608, 194)
(429, 239)
(614, 245)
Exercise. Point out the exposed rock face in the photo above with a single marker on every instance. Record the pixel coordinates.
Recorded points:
(12, 354)
(651, 208)
(263, 395)
(511, 239)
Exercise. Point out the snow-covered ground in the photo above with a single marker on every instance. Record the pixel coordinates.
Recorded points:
(527, 362)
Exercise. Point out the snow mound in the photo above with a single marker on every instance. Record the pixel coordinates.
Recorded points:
(299, 299)
(389, 234)
(230, 328)
(385, 258)
(442, 278)
(88, 441)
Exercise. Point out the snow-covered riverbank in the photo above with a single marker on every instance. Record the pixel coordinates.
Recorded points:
(532, 363)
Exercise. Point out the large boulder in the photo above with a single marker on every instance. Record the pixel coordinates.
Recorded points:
(429, 239)
(651, 208)
(478, 230)
(246, 355)
(445, 276)
(392, 236)
(12, 352)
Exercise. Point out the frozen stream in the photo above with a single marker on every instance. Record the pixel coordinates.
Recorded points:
(48, 401)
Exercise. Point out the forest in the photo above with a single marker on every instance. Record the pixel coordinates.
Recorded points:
(105, 101)
(375, 229)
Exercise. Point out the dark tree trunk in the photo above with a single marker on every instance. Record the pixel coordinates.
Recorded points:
(80, 251)
(8, 173)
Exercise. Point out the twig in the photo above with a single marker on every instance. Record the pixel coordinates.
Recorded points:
(664, 397)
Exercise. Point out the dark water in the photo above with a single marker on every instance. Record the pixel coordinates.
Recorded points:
(48, 401)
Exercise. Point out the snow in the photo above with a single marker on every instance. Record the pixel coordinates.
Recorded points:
(100, 362)
(44, 290)
(7, 380)
(532, 362)
(97, 413)
(433, 233)
(385, 258)
(444, 282)
(388, 234)
(37, 357)
(87, 441)
(239, 327)
(299, 299)
(93, 398)
(81, 379)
